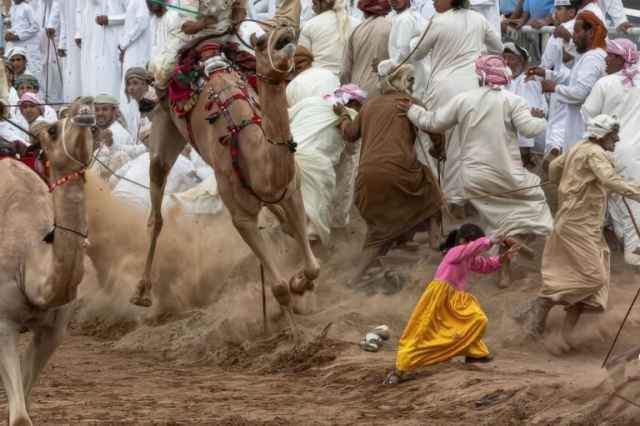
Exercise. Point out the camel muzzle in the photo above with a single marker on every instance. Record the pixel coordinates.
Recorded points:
(84, 120)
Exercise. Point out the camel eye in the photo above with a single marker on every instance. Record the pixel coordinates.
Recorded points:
(53, 131)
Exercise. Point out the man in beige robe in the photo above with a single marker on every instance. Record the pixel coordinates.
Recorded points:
(575, 263)
(367, 45)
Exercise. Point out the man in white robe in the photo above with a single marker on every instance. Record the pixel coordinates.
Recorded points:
(326, 34)
(70, 51)
(517, 58)
(135, 49)
(618, 94)
(51, 41)
(163, 21)
(135, 39)
(309, 81)
(180, 179)
(490, 113)
(137, 81)
(490, 9)
(454, 39)
(319, 156)
(100, 24)
(574, 88)
(615, 14)
(554, 57)
(407, 25)
(121, 147)
(25, 33)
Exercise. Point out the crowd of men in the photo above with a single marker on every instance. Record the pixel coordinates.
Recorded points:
(349, 55)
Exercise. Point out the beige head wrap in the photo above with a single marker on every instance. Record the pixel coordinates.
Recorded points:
(395, 79)
(601, 125)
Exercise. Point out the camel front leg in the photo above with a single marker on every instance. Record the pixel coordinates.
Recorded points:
(11, 375)
(294, 210)
(165, 145)
(245, 220)
(45, 341)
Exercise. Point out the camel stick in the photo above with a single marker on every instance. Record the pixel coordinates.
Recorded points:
(615, 340)
(46, 74)
(264, 301)
(633, 220)
(55, 50)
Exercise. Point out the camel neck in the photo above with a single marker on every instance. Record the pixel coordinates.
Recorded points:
(275, 115)
(68, 247)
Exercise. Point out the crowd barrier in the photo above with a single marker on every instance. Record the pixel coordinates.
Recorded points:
(534, 39)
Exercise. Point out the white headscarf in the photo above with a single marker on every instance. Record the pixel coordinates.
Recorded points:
(601, 125)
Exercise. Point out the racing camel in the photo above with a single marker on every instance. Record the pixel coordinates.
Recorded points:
(252, 154)
(39, 276)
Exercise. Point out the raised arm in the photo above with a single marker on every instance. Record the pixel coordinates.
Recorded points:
(350, 129)
(526, 124)
(492, 40)
(606, 174)
(577, 93)
(485, 264)
(472, 249)
(435, 121)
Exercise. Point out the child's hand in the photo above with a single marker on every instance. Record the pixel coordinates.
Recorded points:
(510, 254)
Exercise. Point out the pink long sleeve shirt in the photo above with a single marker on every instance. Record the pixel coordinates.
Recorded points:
(461, 259)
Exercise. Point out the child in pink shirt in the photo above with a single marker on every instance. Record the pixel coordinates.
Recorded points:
(447, 321)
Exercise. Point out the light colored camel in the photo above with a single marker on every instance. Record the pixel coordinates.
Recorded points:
(266, 171)
(39, 280)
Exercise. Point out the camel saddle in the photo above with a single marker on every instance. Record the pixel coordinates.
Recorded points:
(189, 77)
(32, 156)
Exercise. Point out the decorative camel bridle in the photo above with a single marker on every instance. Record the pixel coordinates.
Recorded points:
(232, 138)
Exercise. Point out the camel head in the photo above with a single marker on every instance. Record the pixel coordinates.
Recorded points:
(274, 53)
(68, 142)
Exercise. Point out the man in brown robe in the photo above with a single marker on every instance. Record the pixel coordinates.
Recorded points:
(367, 45)
(395, 194)
(575, 262)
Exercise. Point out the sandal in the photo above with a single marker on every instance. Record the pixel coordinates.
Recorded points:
(483, 360)
(396, 376)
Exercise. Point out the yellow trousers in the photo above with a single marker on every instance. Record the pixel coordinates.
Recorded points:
(446, 323)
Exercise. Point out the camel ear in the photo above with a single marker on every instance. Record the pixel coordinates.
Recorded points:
(41, 131)
(258, 42)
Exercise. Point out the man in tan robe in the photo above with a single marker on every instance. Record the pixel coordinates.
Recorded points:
(575, 263)
(395, 194)
(367, 46)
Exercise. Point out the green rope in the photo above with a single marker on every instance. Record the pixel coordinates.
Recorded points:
(182, 9)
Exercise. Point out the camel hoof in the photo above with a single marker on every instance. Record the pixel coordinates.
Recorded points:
(142, 301)
(141, 296)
